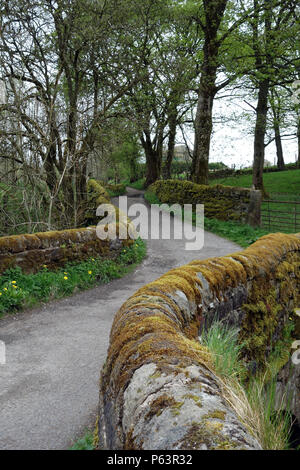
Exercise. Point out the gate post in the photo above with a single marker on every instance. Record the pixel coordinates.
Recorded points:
(254, 211)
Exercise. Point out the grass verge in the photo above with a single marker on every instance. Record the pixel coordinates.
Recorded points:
(254, 400)
(242, 234)
(116, 190)
(86, 442)
(19, 290)
(139, 184)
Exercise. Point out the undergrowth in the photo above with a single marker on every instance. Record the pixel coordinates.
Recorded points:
(86, 442)
(253, 397)
(139, 184)
(19, 290)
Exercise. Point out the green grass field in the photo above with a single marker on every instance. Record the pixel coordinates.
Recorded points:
(284, 182)
(282, 187)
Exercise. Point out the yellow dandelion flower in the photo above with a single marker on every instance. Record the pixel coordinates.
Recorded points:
(15, 287)
(14, 282)
(65, 277)
(0, 293)
(5, 288)
(90, 272)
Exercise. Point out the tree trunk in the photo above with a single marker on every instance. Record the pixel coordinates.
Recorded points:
(171, 146)
(298, 137)
(51, 178)
(203, 130)
(279, 151)
(214, 13)
(81, 189)
(159, 150)
(49, 162)
(276, 106)
(152, 159)
(259, 135)
(152, 162)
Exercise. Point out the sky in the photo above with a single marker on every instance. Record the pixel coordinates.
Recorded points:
(232, 142)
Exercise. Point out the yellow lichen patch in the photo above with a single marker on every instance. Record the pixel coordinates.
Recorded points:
(187, 272)
(213, 426)
(264, 255)
(195, 398)
(270, 305)
(97, 189)
(138, 306)
(260, 322)
(217, 414)
(200, 434)
(96, 434)
(153, 292)
(158, 405)
(222, 273)
(234, 273)
(214, 279)
(135, 329)
(170, 283)
(162, 346)
(191, 331)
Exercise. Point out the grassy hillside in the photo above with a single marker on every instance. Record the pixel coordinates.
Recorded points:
(286, 182)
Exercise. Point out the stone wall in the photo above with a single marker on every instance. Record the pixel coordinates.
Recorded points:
(220, 202)
(158, 387)
(56, 248)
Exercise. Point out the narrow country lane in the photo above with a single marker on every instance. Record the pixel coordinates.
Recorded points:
(49, 386)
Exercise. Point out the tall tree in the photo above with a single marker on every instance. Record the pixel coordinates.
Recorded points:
(273, 25)
(157, 102)
(213, 14)
(69, 58)
(224, 58)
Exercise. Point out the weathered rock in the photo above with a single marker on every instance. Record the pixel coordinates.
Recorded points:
(158, 388)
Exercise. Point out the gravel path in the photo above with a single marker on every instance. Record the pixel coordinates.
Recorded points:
(48, 387)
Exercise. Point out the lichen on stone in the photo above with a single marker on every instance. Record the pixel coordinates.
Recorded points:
(159, 326)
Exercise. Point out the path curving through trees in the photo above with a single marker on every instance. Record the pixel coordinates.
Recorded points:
(49, 386)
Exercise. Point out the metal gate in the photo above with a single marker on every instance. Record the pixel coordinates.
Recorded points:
(281, 216)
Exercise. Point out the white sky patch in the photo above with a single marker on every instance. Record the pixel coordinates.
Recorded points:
(233, 139)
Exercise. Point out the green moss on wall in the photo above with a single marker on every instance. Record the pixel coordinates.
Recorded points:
(221, 202)
(55, 248)
(270, 306)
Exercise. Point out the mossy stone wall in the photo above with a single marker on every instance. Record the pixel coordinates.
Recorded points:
(56, 248)
(158, 389)
(220, 202)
